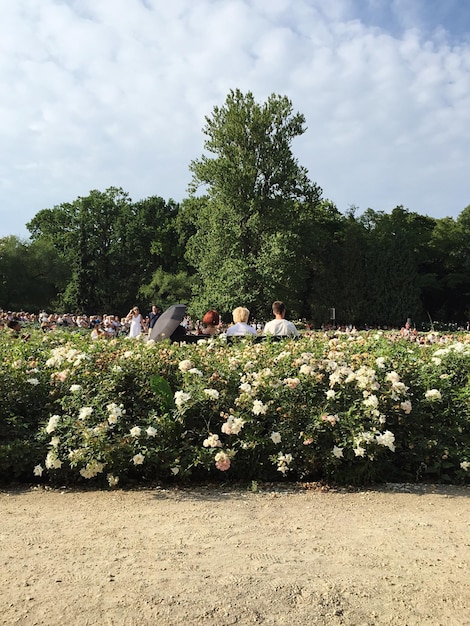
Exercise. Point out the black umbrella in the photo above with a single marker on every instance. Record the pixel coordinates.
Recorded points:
(168, 322)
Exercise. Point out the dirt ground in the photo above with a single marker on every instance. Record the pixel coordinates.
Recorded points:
(210, 556)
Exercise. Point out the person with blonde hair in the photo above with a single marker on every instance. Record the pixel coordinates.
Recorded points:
(136, 322)
(240, 327)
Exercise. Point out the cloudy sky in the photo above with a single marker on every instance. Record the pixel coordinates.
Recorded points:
(100, 93)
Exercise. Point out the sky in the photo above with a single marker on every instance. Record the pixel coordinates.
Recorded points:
(102, 93)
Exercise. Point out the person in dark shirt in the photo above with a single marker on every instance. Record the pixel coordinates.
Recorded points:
(153, 316)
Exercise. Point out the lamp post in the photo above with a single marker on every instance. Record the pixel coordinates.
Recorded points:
(333, 316)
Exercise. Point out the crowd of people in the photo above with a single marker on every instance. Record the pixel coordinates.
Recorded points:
(136, 325)
(112, 325)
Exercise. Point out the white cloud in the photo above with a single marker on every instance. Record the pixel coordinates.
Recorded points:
(115, 93)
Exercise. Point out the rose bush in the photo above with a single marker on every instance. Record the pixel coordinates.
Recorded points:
(349, 408)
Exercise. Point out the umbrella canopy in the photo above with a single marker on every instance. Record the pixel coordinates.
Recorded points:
(168, 322)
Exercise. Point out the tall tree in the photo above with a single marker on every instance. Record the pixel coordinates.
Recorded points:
(112, 246)
(447, 289)
(84, 231)
(165, 279)
(30, 274)
(340, 272)
(260, 209)
(460, 284)
(393, 254)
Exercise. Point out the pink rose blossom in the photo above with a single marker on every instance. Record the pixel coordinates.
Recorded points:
(222, 461)
(223, 466)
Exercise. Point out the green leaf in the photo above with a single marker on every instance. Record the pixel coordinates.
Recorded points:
(160, 386)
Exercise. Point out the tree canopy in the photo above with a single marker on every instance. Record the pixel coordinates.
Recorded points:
(253, 229)
(260, 208)
(111, 245)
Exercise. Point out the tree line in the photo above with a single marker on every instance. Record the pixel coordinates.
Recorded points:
(254, 228)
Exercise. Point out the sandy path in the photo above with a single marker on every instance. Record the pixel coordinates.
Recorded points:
(207, 557)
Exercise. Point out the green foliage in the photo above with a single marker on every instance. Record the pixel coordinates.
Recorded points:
(261, 231)
(24, 403)
(112, 247)
(167, 288)
(347, 408)
(31, 274)
(260, 209)
(392, 261)
(161, 388)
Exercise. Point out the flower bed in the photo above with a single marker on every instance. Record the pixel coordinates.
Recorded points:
(349, 408)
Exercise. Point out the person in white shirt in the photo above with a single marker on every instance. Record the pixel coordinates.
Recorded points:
(240, 327)
(136, 322)
(280, 327)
